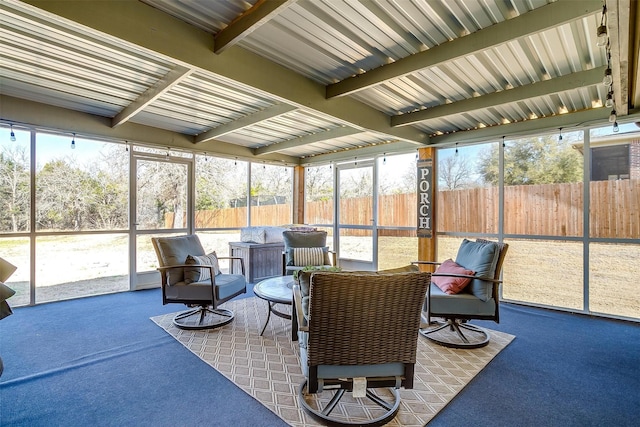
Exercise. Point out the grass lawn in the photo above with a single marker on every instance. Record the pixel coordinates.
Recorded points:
(536, 271)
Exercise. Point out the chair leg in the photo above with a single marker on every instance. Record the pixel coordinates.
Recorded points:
(311, 403)
(455, 337)
(203, 317)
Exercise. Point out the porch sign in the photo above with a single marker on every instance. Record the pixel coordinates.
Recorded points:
(425, 196)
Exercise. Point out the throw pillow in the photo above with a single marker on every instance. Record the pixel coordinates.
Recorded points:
(451, 285)
(289, 257)
(192, 275)
(308, 256)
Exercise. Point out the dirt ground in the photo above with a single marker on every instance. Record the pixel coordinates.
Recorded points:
(535, 271)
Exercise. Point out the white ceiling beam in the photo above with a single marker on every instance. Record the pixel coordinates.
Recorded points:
(246, 121)
(540, 19)
(152, 29)
(307, 139)
(259, 14)
(521, 93)
(161, 87)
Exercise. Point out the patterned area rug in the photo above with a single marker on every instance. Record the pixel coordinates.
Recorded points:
(267, 367)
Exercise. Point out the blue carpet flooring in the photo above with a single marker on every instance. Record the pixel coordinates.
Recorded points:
(100, 361)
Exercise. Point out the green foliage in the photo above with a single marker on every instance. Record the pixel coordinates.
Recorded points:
(541, 160)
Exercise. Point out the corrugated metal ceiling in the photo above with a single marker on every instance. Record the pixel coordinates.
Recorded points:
(50, 60)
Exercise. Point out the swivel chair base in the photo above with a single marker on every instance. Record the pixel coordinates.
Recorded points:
(312, 405)
(203, 317)
(455, 337)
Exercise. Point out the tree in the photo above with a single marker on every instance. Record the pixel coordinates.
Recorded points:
(538, 160)
(318, 184)
(454, 172)
(14, 189)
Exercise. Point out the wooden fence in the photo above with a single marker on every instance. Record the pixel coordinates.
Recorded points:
(550, 209)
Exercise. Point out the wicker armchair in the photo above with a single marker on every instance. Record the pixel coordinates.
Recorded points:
(358, 332)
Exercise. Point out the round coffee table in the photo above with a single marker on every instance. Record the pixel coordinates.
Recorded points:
(276, 290)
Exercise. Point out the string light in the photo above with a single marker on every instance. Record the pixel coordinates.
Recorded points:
(609, 102)
(12, 136)
(601, 32)
(384, 158)
(603, 41)
(607, 80)
(73, 142)
(456, 148)
(560, 137)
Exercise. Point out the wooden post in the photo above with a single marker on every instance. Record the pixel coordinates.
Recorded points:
(298, 194)
(427, 242)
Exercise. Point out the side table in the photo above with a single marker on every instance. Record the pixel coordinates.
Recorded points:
(261, 260)
(277, 290)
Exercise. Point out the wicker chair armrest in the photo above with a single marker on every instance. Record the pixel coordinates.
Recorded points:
(297, 300)
(426, 262)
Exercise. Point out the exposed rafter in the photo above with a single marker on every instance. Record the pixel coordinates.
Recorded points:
(243, 122)
(618, 29)
(191, 46)
(162, 86)
(557, 85)
(565, 121)
(88, 125)
(540, 19)
(360, 153)
(248, 22)
(308, 139)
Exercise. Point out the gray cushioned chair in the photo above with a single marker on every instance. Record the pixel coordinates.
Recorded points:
(203, 296)
(301, 240)
(478, 300)
(359, 329)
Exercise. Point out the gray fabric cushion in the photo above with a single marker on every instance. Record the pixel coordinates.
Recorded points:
(174, 251)
(196, 274)
(482, 258)
(226, 285)
(461, 304)
(304, 239)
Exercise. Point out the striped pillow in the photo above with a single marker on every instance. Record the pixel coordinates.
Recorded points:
(308, 256)
(192, 274)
